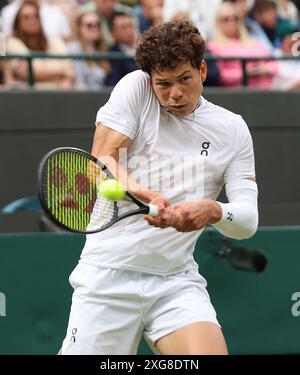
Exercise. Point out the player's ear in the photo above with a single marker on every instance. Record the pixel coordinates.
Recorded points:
(203, 70)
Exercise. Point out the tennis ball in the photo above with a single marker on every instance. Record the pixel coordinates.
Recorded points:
(111, 189)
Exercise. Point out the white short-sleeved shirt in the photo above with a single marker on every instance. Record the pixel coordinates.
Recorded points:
(185, 158)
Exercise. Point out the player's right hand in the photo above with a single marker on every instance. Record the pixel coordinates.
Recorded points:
(164, 205)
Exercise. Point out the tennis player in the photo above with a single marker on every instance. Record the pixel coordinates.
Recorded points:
(135, 278)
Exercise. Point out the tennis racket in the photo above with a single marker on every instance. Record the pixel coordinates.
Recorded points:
(67, 186)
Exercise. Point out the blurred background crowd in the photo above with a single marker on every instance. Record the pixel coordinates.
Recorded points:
(231, 28)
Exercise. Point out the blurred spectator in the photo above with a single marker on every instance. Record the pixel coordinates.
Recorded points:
(55, 23)
(124, 33)
(201, 12)
(232, 39)
(28, 36)
(254, 28)
(288, 76)
(287, 10)
(265, 13)
(105, 9)
(148, 13)
(89, 74)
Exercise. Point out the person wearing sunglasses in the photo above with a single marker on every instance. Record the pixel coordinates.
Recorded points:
(90, 74)
(231, 39)
(105, 9)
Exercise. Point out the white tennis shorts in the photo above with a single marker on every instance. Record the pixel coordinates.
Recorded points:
(113, 308)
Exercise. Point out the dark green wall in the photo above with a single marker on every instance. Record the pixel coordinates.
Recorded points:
(254, 309)
(31, 123)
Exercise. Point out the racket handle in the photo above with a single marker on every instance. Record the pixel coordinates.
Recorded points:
(153, 210)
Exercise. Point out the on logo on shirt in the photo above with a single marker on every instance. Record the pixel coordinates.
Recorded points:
(205, 147)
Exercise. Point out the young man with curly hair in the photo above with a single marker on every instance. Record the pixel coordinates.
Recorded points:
(135, 278)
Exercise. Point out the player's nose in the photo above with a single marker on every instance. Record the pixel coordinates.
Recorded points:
(175, 93)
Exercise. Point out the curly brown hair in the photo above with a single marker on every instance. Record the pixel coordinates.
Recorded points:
(164, 46)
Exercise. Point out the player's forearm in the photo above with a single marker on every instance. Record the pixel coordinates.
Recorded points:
(239, 220)
(194, 215)
(240, 216)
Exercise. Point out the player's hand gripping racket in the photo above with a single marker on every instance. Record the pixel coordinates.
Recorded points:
(68, 181)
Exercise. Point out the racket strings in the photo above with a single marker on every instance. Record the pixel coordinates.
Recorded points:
(70, 191)
(103, 213)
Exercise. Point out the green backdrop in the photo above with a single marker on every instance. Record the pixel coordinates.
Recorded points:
(255, 309)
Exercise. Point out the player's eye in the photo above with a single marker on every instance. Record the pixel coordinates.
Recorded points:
(163, 84)
(184, 79)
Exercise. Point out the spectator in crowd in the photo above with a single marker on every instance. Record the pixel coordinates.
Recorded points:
(89, 74)
(288, 77)
(124, 33)
(201, 12)
(232, 39)
(287, 10)
(54, 22)
(28, 36)
(265, 13)
(149, 13)
(105, 9)
(254, 28)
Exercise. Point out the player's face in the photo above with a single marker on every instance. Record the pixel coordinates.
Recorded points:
(179, 89)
